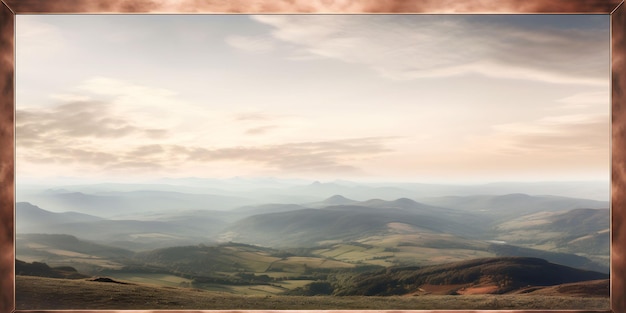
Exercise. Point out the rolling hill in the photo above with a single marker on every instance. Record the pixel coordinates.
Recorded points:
(567, 259)
(43, 270)
(59, 242)
(513, 205)
(580, 231)
(266, 208)
(30, 218)
(228, 261)
(308, 227)
(40, 293)
(491, 275)
(333, 200)
(132, 234)
(119, 203)
(65, 250)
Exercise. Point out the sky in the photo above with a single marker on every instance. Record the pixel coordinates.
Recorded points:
(420, 98)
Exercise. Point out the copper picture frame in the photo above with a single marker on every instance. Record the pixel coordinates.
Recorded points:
(613, 8)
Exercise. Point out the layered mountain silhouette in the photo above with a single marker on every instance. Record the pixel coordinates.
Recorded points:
(511, 205)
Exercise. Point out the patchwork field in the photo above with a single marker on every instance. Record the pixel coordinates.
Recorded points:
(407, 248)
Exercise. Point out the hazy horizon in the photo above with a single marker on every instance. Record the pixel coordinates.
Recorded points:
(261, 190)
(474, 181)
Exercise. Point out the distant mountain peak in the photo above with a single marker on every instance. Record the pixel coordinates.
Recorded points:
(338, 199)
(405, 201)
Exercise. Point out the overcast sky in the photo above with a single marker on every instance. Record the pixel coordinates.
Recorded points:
(423, 98)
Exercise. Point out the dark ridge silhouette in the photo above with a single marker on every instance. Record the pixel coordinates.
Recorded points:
(107, 280)
(43, 270)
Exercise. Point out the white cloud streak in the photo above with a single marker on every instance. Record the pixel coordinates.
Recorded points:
(586, 99)
(250, 44)
(114, 134)
(406, 48)
(557, 136)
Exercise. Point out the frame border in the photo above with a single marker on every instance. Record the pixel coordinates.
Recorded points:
(616, 9)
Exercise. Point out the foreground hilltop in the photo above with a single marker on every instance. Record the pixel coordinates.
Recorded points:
(37, 293)
(488, 283)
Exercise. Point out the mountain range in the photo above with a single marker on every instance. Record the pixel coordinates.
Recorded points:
(575, 228)
(292, 237)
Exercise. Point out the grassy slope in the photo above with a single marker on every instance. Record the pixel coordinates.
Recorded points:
(48, 293)
(205, 260)
(503, 274)
(309, 227)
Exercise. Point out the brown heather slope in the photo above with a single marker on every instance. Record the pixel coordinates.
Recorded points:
(593, 288)
(497, 275)
(37, 293)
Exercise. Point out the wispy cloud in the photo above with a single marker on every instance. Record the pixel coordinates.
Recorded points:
(251, 44)
(260, 130)
(586, 99)
(252, 116)
(75, 120)
(304, 157)
(555, 135)
(260, 123)
(323, 156)
(407, 47)
(215, 113)
(114, 87)
(102, 135)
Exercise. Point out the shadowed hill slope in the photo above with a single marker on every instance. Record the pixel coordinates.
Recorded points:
(43, 270)
(493, 275)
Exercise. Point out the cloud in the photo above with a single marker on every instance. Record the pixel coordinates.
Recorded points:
(113, 87)
(93, 135)
(68, 97)
(323, 156)
(250, 44)
(74, 120)
(252, 116)
(587, 99)
(300, 156)
(558, 147)
(259, 123)
(556, 136)
(413, 47)
(84, 136)
(147, 150)
(260, 130)
(114, 133)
